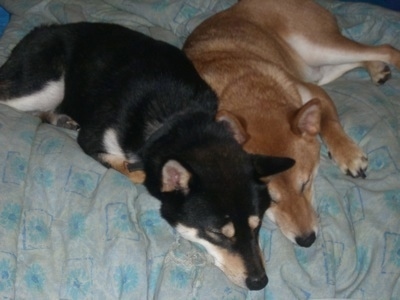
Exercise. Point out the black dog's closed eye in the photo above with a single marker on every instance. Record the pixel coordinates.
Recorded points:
(215, 232)
(217, 235)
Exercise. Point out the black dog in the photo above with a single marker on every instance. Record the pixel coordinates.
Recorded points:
(140, 102)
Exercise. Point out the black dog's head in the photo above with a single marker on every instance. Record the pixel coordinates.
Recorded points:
(211, 192)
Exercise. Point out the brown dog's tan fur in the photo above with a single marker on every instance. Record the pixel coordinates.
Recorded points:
(266, 59)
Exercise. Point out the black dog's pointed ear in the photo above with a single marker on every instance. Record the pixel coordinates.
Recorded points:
(175, 177)
(270, 165)
(234, 125)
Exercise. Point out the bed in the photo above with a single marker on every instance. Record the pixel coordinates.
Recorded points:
(72, 229)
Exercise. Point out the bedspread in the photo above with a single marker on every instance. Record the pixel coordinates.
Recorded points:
(72, 229)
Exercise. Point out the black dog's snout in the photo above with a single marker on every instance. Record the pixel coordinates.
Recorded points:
(306, 241)
(256, 282)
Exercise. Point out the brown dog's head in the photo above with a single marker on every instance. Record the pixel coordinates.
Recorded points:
(291, 191)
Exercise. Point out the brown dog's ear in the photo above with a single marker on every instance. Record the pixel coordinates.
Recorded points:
(175, 177)
(270, 165)
(234, 125)
(307, 119)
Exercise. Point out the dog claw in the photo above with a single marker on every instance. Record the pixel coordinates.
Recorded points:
(67, 122)
(384, 79)
(351, 160)
(360, 173)
(380, 75)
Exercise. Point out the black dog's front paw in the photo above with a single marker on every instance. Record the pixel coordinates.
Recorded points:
(67, 122)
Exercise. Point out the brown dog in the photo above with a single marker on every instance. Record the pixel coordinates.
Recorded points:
(265, 60)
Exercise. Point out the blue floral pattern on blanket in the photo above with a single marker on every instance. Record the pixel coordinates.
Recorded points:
(71, 229)
(10, 215)
(77, 281)
(35, 277)
(7, 272)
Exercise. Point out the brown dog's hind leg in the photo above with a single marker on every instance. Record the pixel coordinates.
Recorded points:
(336, 55)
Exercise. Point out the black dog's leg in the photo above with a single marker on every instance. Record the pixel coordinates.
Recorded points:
(137, 176)
(92, 143)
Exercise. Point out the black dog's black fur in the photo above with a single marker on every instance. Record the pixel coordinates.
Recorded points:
(161, 110)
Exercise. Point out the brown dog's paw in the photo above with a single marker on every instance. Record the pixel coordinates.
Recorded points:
(379, 72)
(350, 159)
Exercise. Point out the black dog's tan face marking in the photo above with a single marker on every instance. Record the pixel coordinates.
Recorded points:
(254, 222)
(228, 230)
(230, 262)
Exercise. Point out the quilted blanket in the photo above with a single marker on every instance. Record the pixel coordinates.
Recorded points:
(72, 229)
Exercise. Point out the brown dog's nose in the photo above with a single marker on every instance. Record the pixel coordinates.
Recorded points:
(306, 241)
(256, 282)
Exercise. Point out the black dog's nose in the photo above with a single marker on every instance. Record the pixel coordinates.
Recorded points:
(256, 282)
(306, 241)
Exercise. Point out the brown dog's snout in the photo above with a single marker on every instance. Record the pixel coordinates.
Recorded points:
(307, 240)
(294, 214)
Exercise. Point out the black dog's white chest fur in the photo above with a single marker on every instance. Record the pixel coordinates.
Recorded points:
(137, 99)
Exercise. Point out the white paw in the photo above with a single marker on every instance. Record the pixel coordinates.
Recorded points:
(379, 72)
